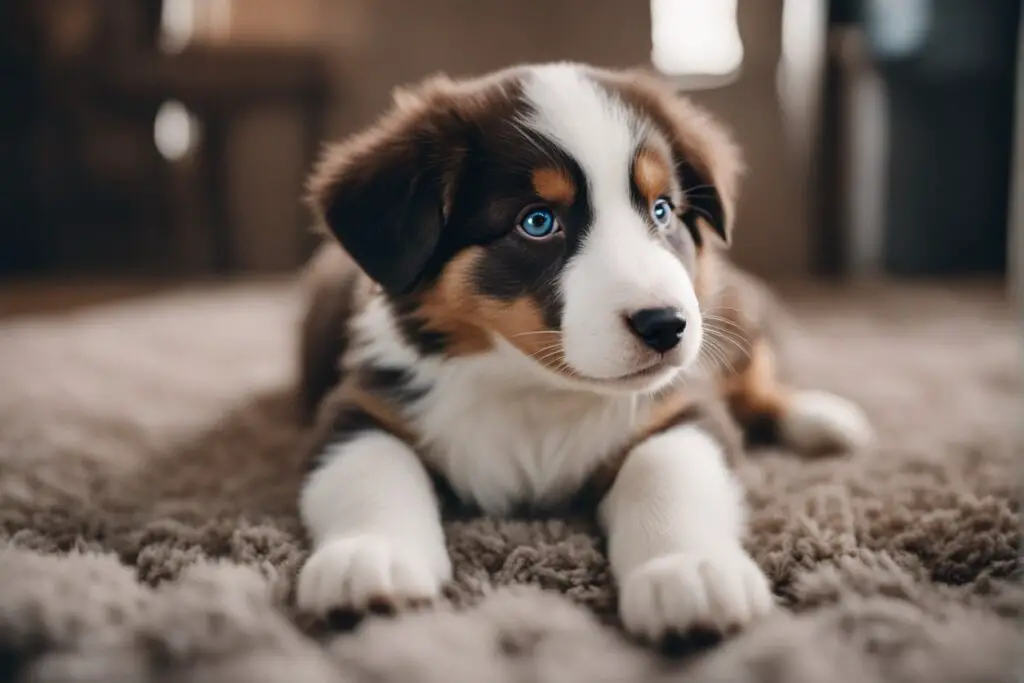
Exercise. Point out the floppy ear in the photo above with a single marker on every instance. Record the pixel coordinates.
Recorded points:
(706, 199)
(708, 163)
(709, 167)
(383, 192)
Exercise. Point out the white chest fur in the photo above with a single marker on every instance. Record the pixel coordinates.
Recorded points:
(497, 434)
(500, 443)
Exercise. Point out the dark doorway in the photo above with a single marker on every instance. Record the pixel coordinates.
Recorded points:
(951, 134)
(949, 74)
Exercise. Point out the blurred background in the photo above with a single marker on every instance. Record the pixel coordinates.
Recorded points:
(153, 142)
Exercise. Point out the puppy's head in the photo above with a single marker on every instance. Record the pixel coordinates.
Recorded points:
(558, 212)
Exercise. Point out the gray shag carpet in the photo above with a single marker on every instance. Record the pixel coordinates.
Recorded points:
(148, 529)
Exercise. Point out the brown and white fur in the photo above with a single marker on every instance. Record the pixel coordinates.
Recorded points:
(444, 341)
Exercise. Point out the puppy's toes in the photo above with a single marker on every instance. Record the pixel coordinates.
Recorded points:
(686, 593)
(362, 574)
(816, 422)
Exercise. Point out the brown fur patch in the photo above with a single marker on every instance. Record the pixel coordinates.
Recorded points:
(554, 185)
(336, 289)
(706, 279)
(521, 322)
(738, 315)
(755, 396)
(652, 174)
(344, 401)
(454, 308)
(352, 394)
(451, 307)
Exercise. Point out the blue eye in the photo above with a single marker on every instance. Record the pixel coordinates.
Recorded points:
(662, 212)
(538, 224)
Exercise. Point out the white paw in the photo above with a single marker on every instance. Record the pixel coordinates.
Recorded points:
(675, 594)
(817, 421)
(360, 573)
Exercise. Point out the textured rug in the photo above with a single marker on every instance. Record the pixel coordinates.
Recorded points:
(148, 530)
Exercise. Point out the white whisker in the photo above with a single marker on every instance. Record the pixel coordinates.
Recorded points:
(535, 332)
(738, 342)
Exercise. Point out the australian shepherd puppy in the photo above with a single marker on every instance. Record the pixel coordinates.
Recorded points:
(521, 287)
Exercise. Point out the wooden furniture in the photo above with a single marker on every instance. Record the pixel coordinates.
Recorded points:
(90, 193)
(221, 85)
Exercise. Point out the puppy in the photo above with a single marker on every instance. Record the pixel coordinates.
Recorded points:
(524, 283)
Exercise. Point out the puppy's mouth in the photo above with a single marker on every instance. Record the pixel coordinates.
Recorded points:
(637, 379)
(649, 377)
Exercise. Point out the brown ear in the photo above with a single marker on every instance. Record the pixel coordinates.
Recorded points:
(383, 192)
(709, 166)
(708, 163)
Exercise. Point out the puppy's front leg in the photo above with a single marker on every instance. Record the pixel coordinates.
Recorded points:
(373, 516)
(674, 518)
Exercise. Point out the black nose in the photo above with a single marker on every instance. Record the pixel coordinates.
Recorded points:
(659, 328)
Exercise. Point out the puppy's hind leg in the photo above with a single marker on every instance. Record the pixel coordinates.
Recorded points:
(811, 422)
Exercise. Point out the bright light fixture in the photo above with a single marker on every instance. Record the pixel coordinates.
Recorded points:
(175, 131)
(695, 37)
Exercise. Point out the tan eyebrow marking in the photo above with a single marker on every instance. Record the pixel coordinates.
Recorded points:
(554, 185)
(651, 174)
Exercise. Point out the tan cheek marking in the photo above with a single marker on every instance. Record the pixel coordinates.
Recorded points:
(450, 307)
(454, 308)
(554, 185)
(521, 322)
(651, 174)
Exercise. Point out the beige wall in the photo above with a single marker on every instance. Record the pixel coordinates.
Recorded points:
(374, 45)
(773, 230)
(397, 45)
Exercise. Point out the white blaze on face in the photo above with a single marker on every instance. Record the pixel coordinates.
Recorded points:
(621, 267)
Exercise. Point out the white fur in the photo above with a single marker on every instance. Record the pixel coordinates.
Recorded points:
(674, 520)
(496, 426)
(375, 337)
(501, 440)
(817, 421)
(621, 267)
(371, 511)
